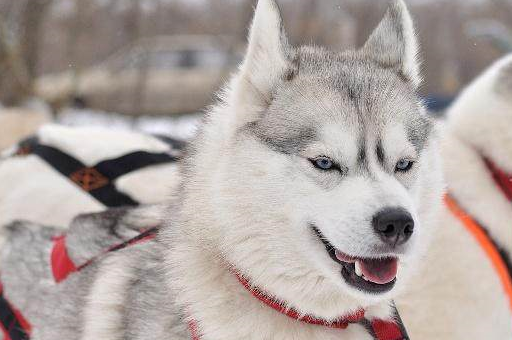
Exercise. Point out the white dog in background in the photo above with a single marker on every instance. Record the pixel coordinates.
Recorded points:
(460, 294)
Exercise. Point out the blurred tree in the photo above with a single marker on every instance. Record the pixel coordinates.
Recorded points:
(503, 6)
(20, 50)
(134, 29)
(32, 19)
(15, 84)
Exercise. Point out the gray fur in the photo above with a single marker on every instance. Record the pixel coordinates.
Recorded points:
(29, 284)
(363, 92)
(282, 138)
(418, 131)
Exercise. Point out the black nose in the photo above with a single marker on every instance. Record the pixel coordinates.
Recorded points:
(394, 226)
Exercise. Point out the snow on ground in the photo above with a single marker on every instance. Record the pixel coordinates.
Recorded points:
(181, 127)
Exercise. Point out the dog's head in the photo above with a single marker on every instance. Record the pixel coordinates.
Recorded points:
(322, 166)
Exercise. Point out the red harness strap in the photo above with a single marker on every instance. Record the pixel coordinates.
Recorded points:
(379, 329)
(502, 179)
(486, 243)
(62, 265)
(387, 330)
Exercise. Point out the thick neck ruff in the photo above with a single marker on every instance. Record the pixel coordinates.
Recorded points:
(379, 329)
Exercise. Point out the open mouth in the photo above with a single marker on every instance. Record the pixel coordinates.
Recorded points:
(372, 275)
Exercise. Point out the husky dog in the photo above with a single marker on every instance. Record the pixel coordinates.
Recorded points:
(459, 292)
(315, 180)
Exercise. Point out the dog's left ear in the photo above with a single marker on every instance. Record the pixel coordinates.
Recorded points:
(393, 43)
(266, 60)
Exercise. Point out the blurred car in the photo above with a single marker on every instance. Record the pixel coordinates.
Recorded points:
(157, 76)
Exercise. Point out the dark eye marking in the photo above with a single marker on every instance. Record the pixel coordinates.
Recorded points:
(380, 152)
(404, 165)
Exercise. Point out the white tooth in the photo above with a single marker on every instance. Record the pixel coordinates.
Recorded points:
(359, 271)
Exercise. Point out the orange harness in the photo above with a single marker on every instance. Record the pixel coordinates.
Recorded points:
(486, 243)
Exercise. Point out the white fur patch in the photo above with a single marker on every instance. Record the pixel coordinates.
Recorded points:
(150, 185)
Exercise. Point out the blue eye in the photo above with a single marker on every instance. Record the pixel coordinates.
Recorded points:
(323, 163)
(404, 165)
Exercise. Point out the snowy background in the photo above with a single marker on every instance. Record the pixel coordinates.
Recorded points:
(180, 127)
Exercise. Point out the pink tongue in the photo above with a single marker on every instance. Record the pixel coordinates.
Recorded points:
(380, 271)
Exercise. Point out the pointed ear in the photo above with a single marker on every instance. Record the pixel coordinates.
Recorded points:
(393, 43)
(266, 60)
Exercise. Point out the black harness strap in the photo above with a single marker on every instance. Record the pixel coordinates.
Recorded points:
(504, 254)
(11, 325)
(400, 323)
(97, 180)
(503, 181)
(88, 178)
(177, 144)
(144, 236)
(111, 197)
(118, 167)
(60, 161)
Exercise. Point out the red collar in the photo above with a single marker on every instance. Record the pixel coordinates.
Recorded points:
(502, 179)
(275, 304)
(379, 329)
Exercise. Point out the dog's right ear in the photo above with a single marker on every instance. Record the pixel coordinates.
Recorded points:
(266, 60)
(394, 44)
